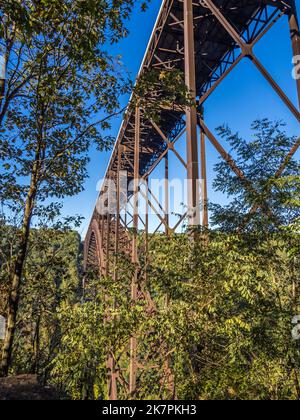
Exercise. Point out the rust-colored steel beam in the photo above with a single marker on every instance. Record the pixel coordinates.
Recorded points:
(146, 230)
(247, 50)
(276, 87)
(278, 174)
(181, 41)
(110, 360)
(134, 285)
(226, 156)
(171, 146)
(204, 194)
(208, 93)
(167, 197)
(191, 115)
(102, 228)
(139, 217)
(181, 219)
(156, 200)
(288, 158)
(113, 389)
(254, 13)
(162, 219)
(108, 244)
(169, 143)
(118, 209)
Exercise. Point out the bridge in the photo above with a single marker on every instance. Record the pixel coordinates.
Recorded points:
(206, 40)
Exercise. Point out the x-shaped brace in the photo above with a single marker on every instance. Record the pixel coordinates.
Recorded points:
(247, 51)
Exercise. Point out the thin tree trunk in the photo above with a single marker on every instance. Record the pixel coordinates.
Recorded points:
(36, 346)
(296, 382)
(16, 276)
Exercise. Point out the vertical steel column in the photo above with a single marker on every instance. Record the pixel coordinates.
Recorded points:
(191, 116)
(204, 197)
(167, 198)
(133, 341)
(113, 390)
(167, 206)
(295, 37)
(167, 231)
(117, 209)
(102, 231)
(248, 52)
(108, 228)
(146, 229)
(107, 269)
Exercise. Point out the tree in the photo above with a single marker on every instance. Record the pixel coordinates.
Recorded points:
(61, 89)
(79, 28)
(213, 315)
(224, 331)
(260, 200)
(79, 369)
(7, 249)
(227, 326)
(90, 331)
(51, 277)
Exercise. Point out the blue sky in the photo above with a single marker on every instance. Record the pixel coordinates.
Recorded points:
(242, 98)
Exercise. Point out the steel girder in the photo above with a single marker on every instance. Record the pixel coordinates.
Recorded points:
(205, 39)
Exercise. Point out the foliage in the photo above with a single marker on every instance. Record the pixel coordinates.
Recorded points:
(91, 331)
(213, 315)
(6, 251)
(213, 318)
(207, 328)
(51, 277)
(79, 367)
(157, 90)
(270, 180)
(61, 90)
(238, 322)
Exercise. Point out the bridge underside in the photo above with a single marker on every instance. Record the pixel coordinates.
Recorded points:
(206, 40)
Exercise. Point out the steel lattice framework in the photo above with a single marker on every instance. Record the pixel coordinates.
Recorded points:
(205, 39)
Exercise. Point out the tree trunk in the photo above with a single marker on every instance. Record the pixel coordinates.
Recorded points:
(296, 382)
(16, 276)
(36, 346)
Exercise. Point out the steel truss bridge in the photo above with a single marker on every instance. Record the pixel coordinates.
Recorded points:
(205, 39)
